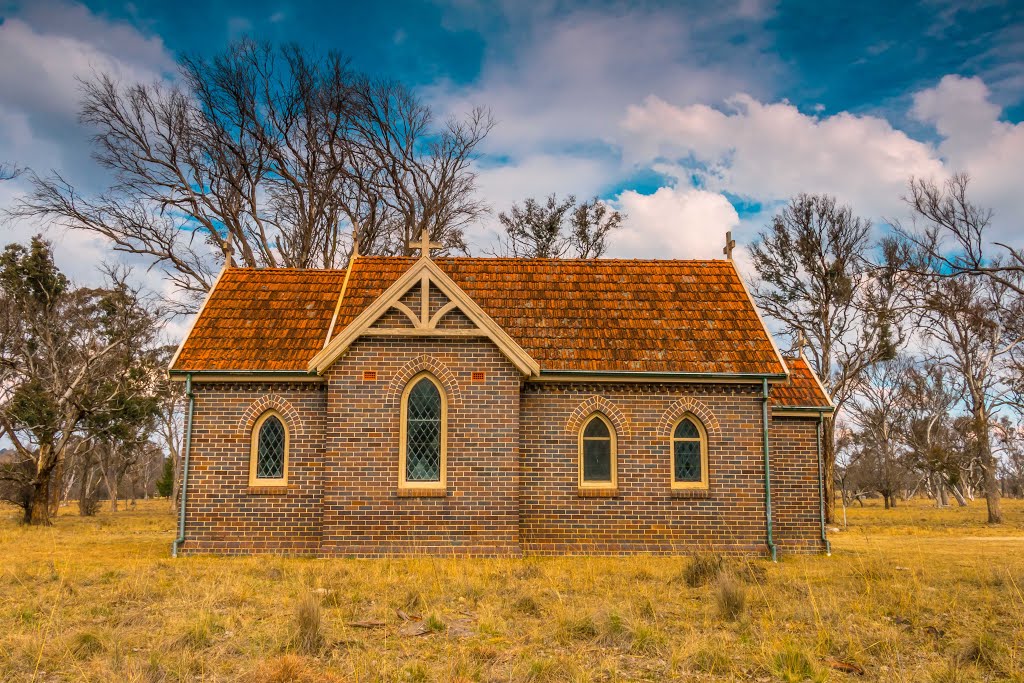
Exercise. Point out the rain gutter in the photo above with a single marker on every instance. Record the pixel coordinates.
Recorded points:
(821, 485)
(184, 475)
(767, 474)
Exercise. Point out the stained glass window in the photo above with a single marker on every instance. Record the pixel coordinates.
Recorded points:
(687, 453)
(598, 458)
(423, 432)
(270, 449)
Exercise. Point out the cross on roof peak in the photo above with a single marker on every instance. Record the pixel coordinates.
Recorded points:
(424, 244)
(730, 244)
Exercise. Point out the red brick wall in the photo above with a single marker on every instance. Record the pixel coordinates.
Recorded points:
(343, 496)
(646, 515)
(795, 494)
(222, 514)
(363, 512)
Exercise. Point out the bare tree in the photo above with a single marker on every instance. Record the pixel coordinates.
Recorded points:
(967, 319)
(557, 229)
(815, 279)
(954, 239)
(879, 411)
(931, 397)
(277, 156)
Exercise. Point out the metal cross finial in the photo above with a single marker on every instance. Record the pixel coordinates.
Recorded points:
(424, 245)
(730, 244)
(801, 340)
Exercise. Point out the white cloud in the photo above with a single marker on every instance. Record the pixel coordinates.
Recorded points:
(561, 80)
(976, 141)
(536, 175)
(770, 152)
(43, 51)
(683, 223)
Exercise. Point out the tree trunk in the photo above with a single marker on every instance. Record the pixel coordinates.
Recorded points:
(39, 513)
(943, 492)
(55, 486)
(988, 467)
(111, 481)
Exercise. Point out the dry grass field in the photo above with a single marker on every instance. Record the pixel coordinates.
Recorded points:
(912, 594)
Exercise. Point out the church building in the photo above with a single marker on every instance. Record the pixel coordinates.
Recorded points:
(490, 406)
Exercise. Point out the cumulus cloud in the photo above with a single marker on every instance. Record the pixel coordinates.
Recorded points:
(768, 152)
(558, 83)
(43, 51)
(974, 139)
(672, 222)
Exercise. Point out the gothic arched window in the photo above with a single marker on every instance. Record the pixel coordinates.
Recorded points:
(268, 460)
(424, 433)
(689, 454)
(597, 455)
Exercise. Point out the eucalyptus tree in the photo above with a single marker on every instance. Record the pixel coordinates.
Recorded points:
(65, 352)
(816, 278)
(970, 322)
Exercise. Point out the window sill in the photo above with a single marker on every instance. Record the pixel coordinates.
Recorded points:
(422, 493)
(691, 493)
(267, 490)
(587, 492)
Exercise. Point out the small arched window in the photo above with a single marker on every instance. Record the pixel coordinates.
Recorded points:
(689, 454)
(268, 460)
(597, 453)
(424, 432)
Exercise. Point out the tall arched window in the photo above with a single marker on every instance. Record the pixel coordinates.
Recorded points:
(597, 453)
(268, 459)
(689, 454)
(424, 432)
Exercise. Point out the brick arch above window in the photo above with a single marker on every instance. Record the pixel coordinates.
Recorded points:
(270, 402)
(598, 404)
(420, 364)
(684, 406)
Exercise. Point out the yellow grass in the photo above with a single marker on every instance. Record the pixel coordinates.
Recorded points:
(911, 594)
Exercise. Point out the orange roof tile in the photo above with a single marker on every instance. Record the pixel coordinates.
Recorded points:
(262, 319)
(569, 315)
(802, 390)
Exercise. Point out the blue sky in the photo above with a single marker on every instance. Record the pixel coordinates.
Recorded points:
(692, 119)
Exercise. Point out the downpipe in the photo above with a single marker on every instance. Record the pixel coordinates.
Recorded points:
(767, 473)
(184, 474)
(821, 487)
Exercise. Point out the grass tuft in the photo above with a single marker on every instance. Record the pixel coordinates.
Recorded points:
(731, 596)
(85, 644)
(309, 624)
(793, 664)
(527, 605)
(985, 650)
(702, 569)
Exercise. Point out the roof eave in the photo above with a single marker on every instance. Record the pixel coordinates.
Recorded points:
(634, 375)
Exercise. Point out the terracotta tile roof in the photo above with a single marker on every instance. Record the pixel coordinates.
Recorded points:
(802, 390)
(603, 315)
(263, 319)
